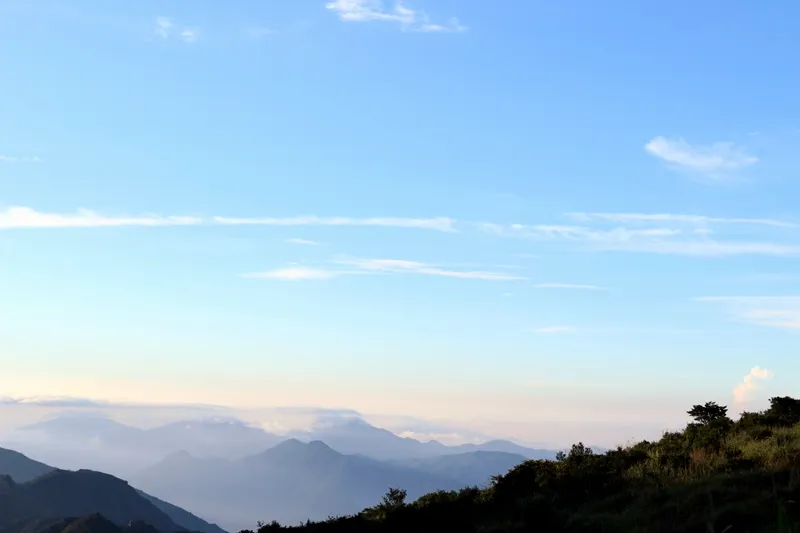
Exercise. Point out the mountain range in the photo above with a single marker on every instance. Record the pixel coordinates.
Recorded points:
(296, 481)
(235, 474)
(103, 444)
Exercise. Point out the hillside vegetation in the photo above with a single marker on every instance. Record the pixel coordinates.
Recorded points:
(716, 475)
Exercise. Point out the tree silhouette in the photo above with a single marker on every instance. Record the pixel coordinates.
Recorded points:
(393, 499)
(708, 413)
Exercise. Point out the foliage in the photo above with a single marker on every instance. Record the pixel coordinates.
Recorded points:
(716, 475)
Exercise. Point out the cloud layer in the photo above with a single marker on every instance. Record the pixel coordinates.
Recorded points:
(658, 233)
(440, 223)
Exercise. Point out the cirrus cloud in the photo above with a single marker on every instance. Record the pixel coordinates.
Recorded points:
(376, 11)
(712, 160)
(27, 218)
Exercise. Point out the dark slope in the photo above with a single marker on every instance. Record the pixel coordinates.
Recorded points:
(20, 467)
(96, 523)
(182, 517)
(61, 494)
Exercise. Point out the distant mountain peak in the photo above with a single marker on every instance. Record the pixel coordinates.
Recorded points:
(319, 445)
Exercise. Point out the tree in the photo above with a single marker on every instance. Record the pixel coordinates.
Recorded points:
(393, 499)
(708, 413)
(784, 409)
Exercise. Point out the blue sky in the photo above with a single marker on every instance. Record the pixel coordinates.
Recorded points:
(514, 211)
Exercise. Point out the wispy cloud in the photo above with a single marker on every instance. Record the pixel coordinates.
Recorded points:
(567, 286)
(675, 234)
(439, 224)
(399, 13)
(305, 242)
(189, 35)
(771, 311)
(295, 273)
(553, 329)
(713, 160)
(400, 266)
(688, 235)
(350, 266)
(165, 28)
(18, 159)
(678, 219)
(25, 217)
(744, 390)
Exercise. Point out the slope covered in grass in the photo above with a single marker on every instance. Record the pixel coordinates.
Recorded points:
(716, 475)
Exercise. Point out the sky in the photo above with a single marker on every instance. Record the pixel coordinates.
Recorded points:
(503, 214)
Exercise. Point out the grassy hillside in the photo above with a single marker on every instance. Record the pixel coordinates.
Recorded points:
(716, 475)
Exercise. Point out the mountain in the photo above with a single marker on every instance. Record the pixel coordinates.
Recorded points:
(290, 482)
(468, 469)
(62, 494)
(96, 523)
(97, 442)
(20, 467)
(182, 517)
(716, 474)
(92, 440)
(17, 468)
(356, 436)
(505, 446)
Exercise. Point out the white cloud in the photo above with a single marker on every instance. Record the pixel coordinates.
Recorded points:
(453, 26)
(743, 391)
(303, 242)
(25, 217)
(165, 28)
(295, 273)
(664, 239)
(781, 312)
(189, 35)
(712, 160)
(375, 10)
(378, 266)
(553, 329)
(16, 159)
(400, 266)
(439, 224)
(567, 286)
(677, 218)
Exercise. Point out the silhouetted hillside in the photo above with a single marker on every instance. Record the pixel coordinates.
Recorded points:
(22, 469)
(96, 523)
(182, 517)
(715, 475)
(61, 494)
